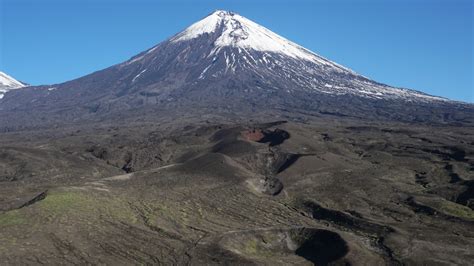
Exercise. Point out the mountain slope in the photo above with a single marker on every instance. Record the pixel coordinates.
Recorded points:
(227, 64)
(8, 83)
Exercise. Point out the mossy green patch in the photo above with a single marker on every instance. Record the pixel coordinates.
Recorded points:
(251, 247)
(254, 247)
(12, 218)
(67, 201)
(86, 205)
(457, 210)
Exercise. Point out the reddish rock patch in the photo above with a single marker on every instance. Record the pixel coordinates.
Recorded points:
(253, 135)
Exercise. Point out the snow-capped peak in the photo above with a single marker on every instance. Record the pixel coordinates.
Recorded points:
(238, 31)
(8, 83)
(235, 45)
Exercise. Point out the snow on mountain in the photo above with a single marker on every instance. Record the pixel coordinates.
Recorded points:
(226, 62)
(277, 56)
(238, 31)
(7, 83)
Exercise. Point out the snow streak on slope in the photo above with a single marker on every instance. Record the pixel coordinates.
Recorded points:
(8, 83)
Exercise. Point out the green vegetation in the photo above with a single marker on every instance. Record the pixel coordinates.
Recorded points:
(86, 206)
(67, 201)
(262, 245)
(12, 218)
(251, 247)
(457, 210)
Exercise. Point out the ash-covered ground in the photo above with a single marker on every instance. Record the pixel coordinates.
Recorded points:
(321, 191)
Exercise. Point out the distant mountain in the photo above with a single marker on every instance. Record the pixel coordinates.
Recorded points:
(227, 64)
(8, 83)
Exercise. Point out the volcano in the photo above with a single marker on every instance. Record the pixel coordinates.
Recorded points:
(226, 64)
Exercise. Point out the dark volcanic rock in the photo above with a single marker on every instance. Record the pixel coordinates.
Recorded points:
(271, 186)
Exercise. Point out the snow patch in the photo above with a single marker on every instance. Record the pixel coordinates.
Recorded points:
(204, 72)
(139, 74)
(206, 25)
(7, 81)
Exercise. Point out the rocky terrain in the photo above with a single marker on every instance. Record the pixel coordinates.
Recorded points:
(252, 193)
(228, 144)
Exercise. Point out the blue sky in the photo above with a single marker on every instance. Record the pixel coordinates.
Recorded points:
(421, 44)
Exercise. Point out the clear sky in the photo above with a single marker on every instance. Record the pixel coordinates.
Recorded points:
(420, 44)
